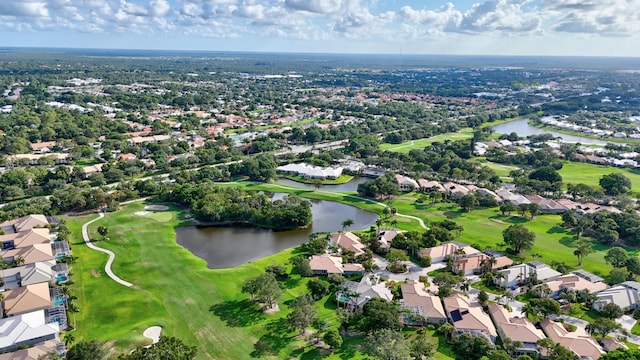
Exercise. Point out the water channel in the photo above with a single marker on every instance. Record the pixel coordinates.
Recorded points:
(522, 128)
(224, 247)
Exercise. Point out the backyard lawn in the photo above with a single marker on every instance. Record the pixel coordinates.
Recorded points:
(174, 289)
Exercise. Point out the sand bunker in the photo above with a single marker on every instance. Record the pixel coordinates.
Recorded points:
(156, 208)
(153, 333)
(141, 213)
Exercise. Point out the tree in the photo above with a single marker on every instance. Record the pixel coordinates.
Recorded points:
(472, 347)
(318, 288)
(378, 314)
(251, 287)
(616, 276)
(603, 326)
(346, 224)
(85, 350)
(518, 238)
(633, 265)
(584, 248)
(447, 330)
(166, 348)
(333, 338)
(422, 348)
(264, 288)
(301, 266)
(541, 307)
(395, 256)
(616, 256)
(388, 344)
(445, 282)
(559, 352)
(615, 184)
(277, 270)
(507, 207)
(483, 297)
(468, 202)
(303, 312)
(611, 311)
(103, 230)
(621, 354)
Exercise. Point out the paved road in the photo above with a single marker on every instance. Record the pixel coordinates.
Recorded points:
(112, 256)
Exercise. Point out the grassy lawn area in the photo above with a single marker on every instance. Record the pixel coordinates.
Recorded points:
(86, 162)
(405, 147)
(590, 174)
(636, 328)
(484, 228)
(340, 180)
(174, 289)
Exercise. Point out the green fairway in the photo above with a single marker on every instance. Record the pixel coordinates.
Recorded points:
(484, 228)
(174, 289)
(405, 147)
(590, 174)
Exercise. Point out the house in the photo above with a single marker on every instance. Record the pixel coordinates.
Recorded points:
(574, 282)
(42, 147)
(473, 264)
(517, 329)
(515, 199)
(626, 295)
(29, 274)
(34, 159)
(547, 206)
(406, 183)
(608, 344)
(441, 252)
(513, 276)
(26, 329)
(326, 264)
(429, 186)
(27, 299)
(348, 241)
(137, 140)
(359, 293)
(467, 318)
(92, 169)
(583, 346)
(455, 190)
(28, 254)
(25, 238)
(25, 223)
(37, 352)
(487, 192)
(420, 307)
(386, 236)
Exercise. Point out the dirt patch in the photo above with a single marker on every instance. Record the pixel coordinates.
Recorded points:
(95, 273)
(272, 310)
(156, 207)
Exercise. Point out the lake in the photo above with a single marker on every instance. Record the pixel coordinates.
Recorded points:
(522, 128)
(224, 247)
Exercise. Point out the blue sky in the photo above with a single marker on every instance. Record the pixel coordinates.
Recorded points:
(492, 27)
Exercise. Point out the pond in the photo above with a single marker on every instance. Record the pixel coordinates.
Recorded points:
(224, 247)
(522, 128)
(348, 186)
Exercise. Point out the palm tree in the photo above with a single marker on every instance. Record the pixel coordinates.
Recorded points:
(498, 277)
(465, 285)
(544, 290)
(68, 339)
(346, 224)
(447, 330)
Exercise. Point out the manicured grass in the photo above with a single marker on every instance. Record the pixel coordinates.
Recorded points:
(86, 162)
(343, 179)
(174, 289)
(500, 169)
(405, 147)
(590, 174)
(636, 328)
(484, 228)
(581, 312)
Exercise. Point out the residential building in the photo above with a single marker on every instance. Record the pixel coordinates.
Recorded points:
(583, 346)
(574, 282)
(455, 190)
(426, 185)
(547, 206)
(347, 240)
(441, 252)
(25, 238)
(26, 299)
(25, 223)
(36, 352)
(26, 329)
(420, 307)
(406, 183)
(515, 199)
(386, 236)
(513, 276)
(467, 318)
(326, 264)
(30, 274)
(357, 294)
(29, 254)
(517, 329)
(474, 263)
(626, 295)
(608, 344)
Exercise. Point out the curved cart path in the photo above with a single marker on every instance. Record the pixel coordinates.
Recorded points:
(112, 256)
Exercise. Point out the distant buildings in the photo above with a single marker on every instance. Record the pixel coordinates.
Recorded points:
(310, 171)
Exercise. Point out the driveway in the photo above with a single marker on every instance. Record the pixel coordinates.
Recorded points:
(414, 271)
(626, 321)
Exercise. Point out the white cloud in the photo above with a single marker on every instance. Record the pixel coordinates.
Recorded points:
(315, 6)
(24, 8)
(159, 8)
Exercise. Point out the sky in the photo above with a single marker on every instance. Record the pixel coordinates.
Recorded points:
(492, 27)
